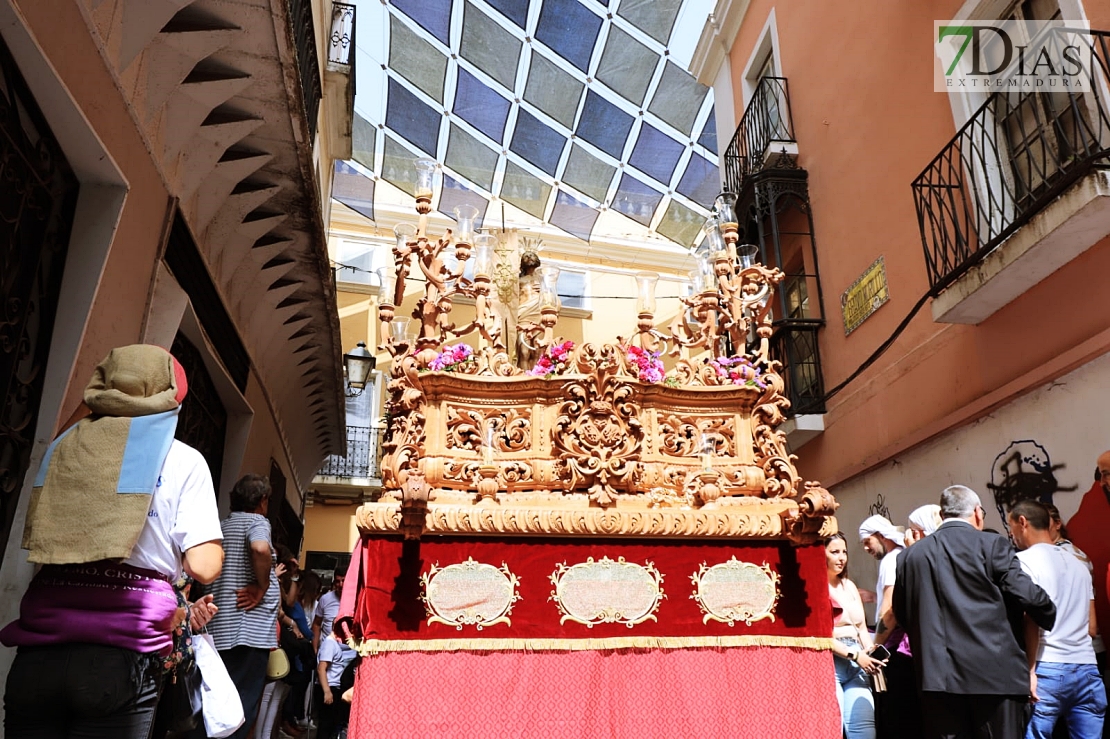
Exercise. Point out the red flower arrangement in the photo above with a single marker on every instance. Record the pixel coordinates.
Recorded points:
(553, 360)
(647, 366)
(738, 371)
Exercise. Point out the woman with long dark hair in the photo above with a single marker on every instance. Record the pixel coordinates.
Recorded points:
(851, 645)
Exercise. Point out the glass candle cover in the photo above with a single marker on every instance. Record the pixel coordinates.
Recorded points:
(645, 291)
(707, 272)
(405, 233)
(388, 281)
(464, 220)
(725, 204)
(484, 246)
(549, 287)
(747, 254)
(401, 330)
(714, 239)
(425, 171)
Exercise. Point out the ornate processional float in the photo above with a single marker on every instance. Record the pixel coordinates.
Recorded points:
(588, 545)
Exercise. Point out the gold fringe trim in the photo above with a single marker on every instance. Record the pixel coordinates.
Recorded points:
(372, 647)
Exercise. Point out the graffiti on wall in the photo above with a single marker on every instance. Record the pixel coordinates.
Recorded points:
(879, 507)
(1024, 471)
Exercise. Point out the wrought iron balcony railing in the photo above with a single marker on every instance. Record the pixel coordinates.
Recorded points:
(364, 455)
(308, 59)
(794, 343)
(766, 123)
(341, 44)
(1016, 154)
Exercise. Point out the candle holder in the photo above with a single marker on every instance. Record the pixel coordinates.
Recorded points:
(487, 485)
(425, 173)
(725, 206)
(647, 337)
(442, 262)
(386, 295)
(464, 231)
(747, 253)
(708, 488)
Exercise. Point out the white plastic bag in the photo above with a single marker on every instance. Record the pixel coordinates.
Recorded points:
(223, 711)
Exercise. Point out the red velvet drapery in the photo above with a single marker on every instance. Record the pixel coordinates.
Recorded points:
(482, 689)
(742, 693)
(388, 605)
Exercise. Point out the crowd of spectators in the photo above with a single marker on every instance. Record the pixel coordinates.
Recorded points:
(975, 633)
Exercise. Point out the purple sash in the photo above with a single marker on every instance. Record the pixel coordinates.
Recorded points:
(96, 603)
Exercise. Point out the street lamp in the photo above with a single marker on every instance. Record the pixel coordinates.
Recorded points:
(358, 363)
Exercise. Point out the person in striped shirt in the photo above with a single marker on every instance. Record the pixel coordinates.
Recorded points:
(248, 595)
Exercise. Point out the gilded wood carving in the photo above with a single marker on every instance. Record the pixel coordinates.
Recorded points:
(601, 442)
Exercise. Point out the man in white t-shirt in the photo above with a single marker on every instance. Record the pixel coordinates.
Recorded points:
(1063, 676)
(327, 609)
(882, 540)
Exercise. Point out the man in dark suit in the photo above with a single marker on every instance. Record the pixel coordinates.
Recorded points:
(951, 595)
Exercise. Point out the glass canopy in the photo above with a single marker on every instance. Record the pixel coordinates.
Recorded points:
(574, 113)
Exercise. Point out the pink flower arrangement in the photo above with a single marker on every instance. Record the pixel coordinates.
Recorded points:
(738, 371)
(452, 358)
(647, 366)
(553, 360)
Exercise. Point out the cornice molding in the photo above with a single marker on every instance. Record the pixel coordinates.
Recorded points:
(717, 37)
(751, 519)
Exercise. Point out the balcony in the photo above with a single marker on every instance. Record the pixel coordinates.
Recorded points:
(341, 43)
(355, 475)
(308, 59)
(774, 213)
(765, 134)
(1020, 191)
(339, 80)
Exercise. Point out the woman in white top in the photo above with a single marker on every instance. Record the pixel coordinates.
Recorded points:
(851, 645)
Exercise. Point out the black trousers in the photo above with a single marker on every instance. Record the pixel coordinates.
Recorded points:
(951, 716)
(81, 691)
(332, 717)
(898, 710)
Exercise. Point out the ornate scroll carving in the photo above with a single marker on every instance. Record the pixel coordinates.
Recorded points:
(590, 447)
(469, 594)
(674, 517)
(605, 591)
(467, 428)
(681, 436)
(736, 591)
(598, 432)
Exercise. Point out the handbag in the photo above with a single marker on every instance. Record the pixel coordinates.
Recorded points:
(184, 688)
(277, 667)
(185, 697)
(222, 709)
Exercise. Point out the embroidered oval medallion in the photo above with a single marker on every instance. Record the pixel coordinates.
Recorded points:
(736, 591)
(469, 594)
(607, 592)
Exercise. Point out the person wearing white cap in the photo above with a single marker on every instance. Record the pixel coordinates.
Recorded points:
(882, 540)
(922, 522)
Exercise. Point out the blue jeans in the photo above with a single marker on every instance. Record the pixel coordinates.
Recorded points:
(1074, 692)
(853, 693)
